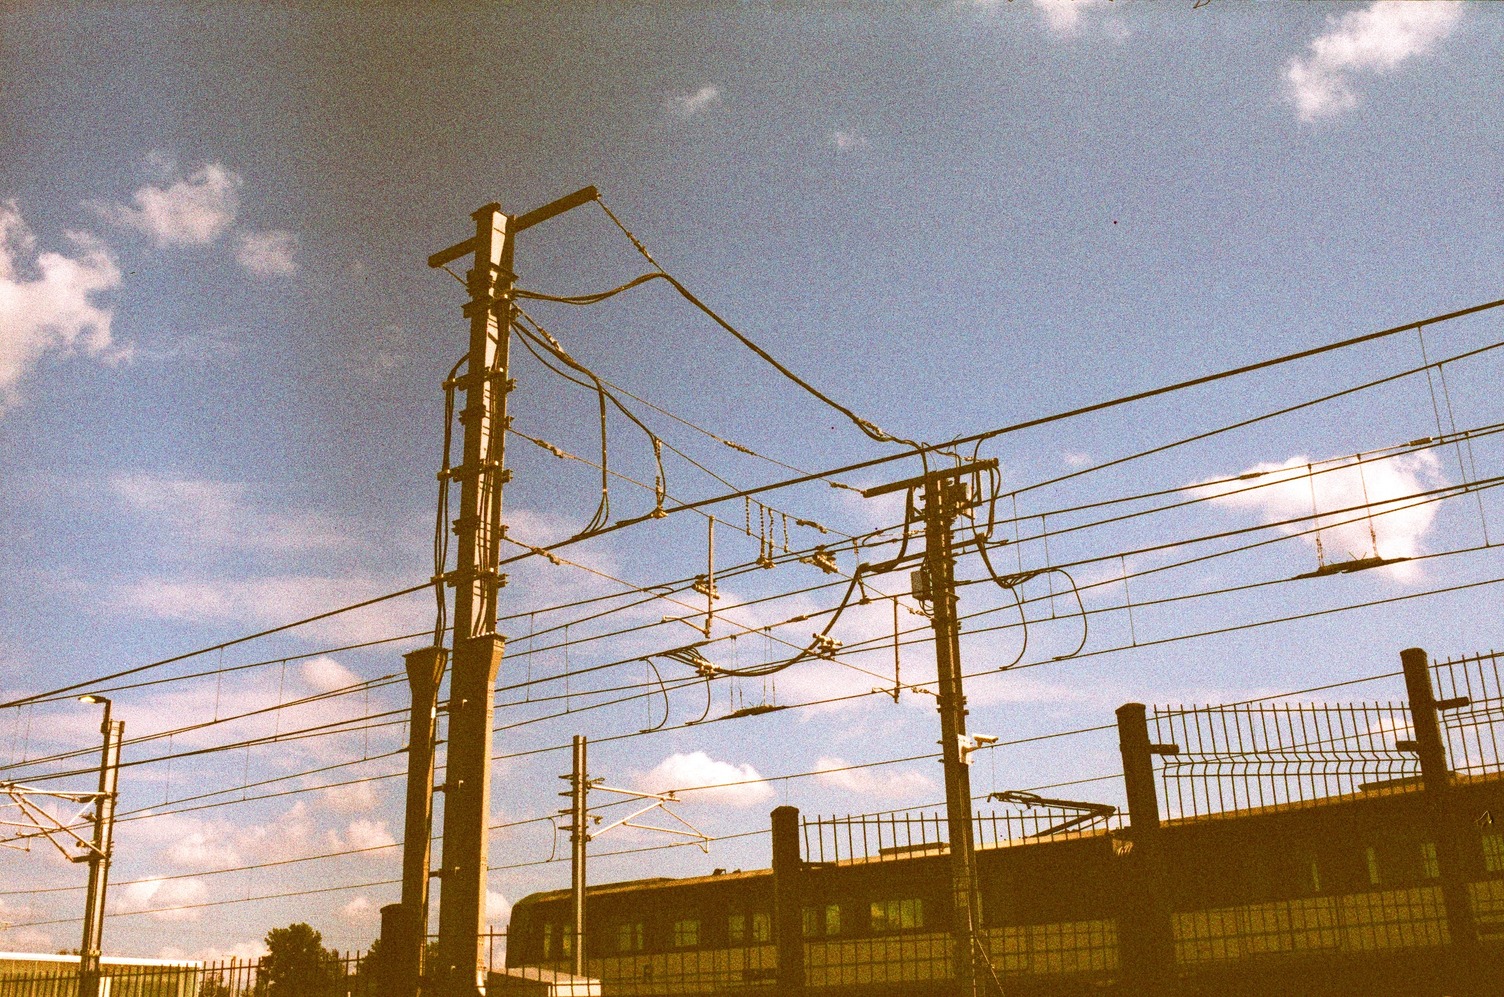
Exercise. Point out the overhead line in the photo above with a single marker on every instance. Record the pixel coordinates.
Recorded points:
(822, 475)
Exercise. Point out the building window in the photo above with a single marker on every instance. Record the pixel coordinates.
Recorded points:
(897, 915)
(1371, 860)
(686, 932)
(629, 937)
(822, 921)
(1429, 866)
(736, 928)
(558, 941)
(1493, 852)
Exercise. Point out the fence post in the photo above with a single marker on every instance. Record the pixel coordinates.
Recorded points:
(400, 940)
(1146, 934)
(1451, 851)
(788, 901)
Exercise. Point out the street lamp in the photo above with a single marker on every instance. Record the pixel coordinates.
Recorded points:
(98, 855)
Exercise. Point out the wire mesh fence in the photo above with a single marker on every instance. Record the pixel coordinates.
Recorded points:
(347, 975)
(1217, 759)
(1471, 696)
(905, 835)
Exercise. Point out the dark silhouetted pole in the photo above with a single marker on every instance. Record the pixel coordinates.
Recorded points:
(1451, 856)
(946, 496)
(403, 951)
(477, 581)
(579, 837)
(99, 853)
(477, 645)
(1146, 940)
(788, 902)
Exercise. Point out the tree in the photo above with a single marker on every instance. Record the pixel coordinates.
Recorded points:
(296, 964)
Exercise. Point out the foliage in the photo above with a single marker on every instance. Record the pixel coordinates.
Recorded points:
(213, 986)
(298, 965)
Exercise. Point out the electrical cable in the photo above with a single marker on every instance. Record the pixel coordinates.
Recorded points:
(831, 473)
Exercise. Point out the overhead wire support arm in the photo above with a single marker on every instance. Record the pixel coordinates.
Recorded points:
(41, 824)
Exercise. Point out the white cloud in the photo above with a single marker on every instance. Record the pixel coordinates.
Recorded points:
(225, 515)
(360, 909)
(194, 210)
(238, 951)
(361, 797)
(687, 105)
(272, 600)
(498, 911)
(56, 310)
(166, 897)
(846, 140)
(198, 849)
(888, 784)
(736, 785)
(1063, 17)
(1284, 491)
(324, 674)
(1373, 40)
(269, 253)
(1076, 459)
(368, 834)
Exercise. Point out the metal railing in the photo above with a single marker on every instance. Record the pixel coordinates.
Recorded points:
(1216, 759)
(347, 975)
(1471, 729)
(906, 835)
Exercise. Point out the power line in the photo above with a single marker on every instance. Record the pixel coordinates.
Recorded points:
(921, 450)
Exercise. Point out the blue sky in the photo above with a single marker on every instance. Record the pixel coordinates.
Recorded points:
(221, 355)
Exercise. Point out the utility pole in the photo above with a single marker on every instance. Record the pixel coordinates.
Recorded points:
(99, 852)
(477, 647)
(1437, 792)
(404, 926)
(947, 496)
(580, 785)
(579, 836)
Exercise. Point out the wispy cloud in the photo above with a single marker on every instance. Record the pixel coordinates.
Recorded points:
(324, 674)
(364, 834)
(883, 783)
(359, 910)
(56, 308)
(354, 798)
(171, 899)
(1376, 39)
(688, 105)
(268, 254)
(223, 515)
(846, 140)
(498, 910)
(1285, 491)
(1062, 18)
(199, 209)
(192, 210)
(734, 785)
(272, 600)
